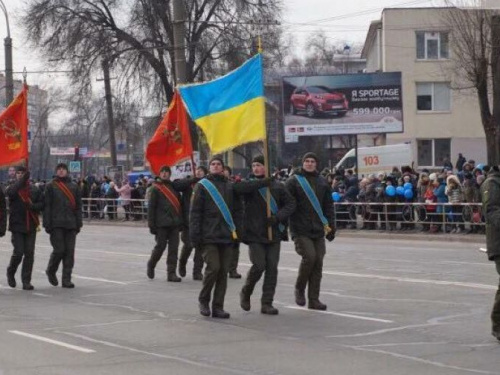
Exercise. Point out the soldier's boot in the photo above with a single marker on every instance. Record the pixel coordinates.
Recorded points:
(28, 286)
(172, 277)
(234, 275)
(51, 276)
(300, 297)
(11, 270)
(66, 278)
(316, 305)
(245, 300)
(151, 270)
(269, 310)
(52, 269)
(26, 272)
(182, 268)
(221, 314)
(204, 308)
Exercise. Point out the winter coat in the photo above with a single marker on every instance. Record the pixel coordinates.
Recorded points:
(58, 212)
(490, 193)
(3, 214)
(305, 221)
(185, 186)
(23, 216)
(161, 212)
(439, 193)
(255, 229)
(125, 191)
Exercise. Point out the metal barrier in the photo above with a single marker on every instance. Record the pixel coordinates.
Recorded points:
(433, 217)
(114, 209)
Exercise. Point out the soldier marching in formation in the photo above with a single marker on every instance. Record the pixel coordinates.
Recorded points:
(62, 220)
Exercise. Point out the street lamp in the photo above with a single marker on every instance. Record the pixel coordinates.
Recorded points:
(9, 81)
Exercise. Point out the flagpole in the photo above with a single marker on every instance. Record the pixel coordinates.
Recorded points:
(266, 153)
(25, 84)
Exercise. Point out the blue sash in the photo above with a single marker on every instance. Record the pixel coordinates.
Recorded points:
(313, 199)
(221, 205)
(274, 205)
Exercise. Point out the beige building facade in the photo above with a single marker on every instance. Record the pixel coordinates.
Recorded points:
(440, 120)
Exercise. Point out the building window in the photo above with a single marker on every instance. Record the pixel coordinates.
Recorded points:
(433, 96)
(432, 152)
(432, 45)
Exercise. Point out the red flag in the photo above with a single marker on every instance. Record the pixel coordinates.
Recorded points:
(172, 140)
(14, 130)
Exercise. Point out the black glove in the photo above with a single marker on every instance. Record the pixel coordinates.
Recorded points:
(272, 220)
(331, 235)
(153, 230)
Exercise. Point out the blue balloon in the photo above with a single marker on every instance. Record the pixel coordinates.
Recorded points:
(400, 190)
(408, 186)
(409, 194)
(336, 196)
(390, 191)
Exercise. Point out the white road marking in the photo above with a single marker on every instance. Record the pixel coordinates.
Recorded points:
(482, 249)
(340, 314)
(99, 279)
(54, 342)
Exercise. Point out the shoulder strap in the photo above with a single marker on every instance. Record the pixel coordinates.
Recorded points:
(221, 205)
(171, 197)
(313, 199)
(274, 205)
(67, 193)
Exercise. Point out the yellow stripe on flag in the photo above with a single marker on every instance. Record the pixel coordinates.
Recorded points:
(235, 126)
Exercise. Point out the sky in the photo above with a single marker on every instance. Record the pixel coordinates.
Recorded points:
(345, 21)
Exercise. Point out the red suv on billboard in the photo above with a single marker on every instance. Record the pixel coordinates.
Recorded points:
(318, 100)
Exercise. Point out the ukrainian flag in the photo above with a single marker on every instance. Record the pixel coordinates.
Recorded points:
(231, 109)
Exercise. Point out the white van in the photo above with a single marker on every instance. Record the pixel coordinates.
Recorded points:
(378, 158)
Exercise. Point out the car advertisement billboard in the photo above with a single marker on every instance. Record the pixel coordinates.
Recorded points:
(342, 104)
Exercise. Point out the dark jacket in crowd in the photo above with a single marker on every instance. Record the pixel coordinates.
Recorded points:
(490, 193)
(3, 214)
(161, 212)
(58, 212)
(185, 186)
(305, 221)
(24, 216)
(255, 228)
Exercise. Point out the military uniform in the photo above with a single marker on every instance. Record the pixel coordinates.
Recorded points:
(164, 221)
(3, 213)
(264, 253)
(62, 219)
(308, 234)
(490, 193)
(25, 204)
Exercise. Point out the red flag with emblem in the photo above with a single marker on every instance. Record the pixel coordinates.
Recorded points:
(14, 130)
(172, 140)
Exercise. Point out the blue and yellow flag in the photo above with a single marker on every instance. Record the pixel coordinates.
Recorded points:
(229, 109)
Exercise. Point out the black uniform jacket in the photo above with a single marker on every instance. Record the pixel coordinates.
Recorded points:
(23, 217)
(161, 212)
(58, 212)
(305, 221)
(206, 223)
(255, 228)
(3, 213)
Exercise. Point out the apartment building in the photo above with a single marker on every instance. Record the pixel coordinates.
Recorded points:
(440, 121)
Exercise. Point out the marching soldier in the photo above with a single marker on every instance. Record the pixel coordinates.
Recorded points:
(25, 203)
(165, 218)
(490, 193)
(3, 213)
(62, 220)
(187, 248)
(264, 252)
(311, 222)
(214, 216)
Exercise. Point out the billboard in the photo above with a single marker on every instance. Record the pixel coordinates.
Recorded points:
(342, 104)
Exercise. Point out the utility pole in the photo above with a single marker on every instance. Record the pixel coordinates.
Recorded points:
(495, 71)
(109, 108)
(9, 80)
(179, 16)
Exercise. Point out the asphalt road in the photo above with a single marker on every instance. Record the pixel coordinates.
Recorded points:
(394, 307)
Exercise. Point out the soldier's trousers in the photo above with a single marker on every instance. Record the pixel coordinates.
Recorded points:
(166, 236)
(186, 250)
(24, 251)
(495, 313)
(235, 257)
(217, 258)
(312, 251)
(264, 258)
(63, 242)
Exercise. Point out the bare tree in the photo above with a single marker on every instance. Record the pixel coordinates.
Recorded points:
(475, 44)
